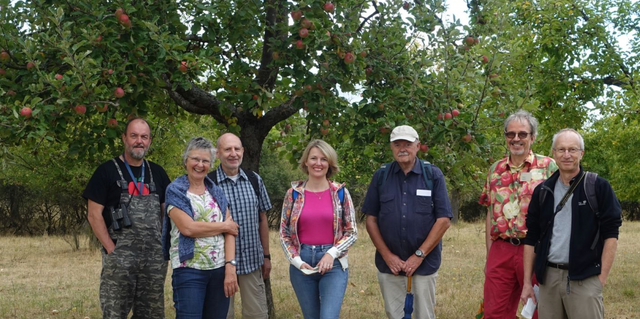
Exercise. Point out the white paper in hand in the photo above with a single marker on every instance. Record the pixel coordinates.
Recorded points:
(309, 271)
(530, 307)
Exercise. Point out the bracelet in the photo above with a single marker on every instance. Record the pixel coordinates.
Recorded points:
(268, 256)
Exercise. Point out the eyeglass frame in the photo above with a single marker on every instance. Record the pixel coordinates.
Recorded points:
(526, 134)
(199, 160)
(570, 150)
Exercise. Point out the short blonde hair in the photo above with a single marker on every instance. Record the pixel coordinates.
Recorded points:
(327, 150)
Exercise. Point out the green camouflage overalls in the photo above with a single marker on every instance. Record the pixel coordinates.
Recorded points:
(133, 275)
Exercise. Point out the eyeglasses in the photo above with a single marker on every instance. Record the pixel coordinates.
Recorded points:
(198, 160)
(571, 151)
(521, 135)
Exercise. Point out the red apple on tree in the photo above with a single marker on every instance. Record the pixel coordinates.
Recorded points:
(440, 116)
(2, 71)
(112, 123)
(183, 67)
(103, 108)
(124, 20)
(329, 7)
(424, 148)
(296, 15)
(58, 76)
(80, 109)
(485, 60)
(118, 13)
(469, 41)
(30, 65)
(324, 131)
(305, 23)
(467, 138)
(349, 58)
(299, 45)
(118, 92)
(326, 122)
(304, 32)
(4, 56)
(385, 130)
(26, 112)
(455, 112)
(447, 116)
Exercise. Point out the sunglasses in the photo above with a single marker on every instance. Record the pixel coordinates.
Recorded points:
(521, 135)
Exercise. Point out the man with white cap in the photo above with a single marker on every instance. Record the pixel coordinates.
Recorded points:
(408, 212)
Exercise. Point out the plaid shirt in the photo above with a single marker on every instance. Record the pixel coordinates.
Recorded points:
(245, 209)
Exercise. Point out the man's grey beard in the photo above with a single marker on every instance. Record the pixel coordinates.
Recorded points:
(137, 155)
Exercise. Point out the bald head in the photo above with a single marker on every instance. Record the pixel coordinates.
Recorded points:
(229, 151)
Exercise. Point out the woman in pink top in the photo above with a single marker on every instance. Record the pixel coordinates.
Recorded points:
(317, 228)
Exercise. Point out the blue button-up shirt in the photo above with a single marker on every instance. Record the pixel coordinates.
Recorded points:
(245, 209)
(406, 212)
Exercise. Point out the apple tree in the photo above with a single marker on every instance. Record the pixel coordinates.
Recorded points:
(74, 71)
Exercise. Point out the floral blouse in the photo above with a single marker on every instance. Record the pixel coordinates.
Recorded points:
(208, 252)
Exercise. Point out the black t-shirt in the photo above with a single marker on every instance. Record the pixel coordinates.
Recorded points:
(103, 186)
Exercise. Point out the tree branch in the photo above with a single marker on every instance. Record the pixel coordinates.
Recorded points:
(197, 101)
(275, 14)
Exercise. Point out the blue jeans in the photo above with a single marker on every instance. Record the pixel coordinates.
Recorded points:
(320, 296)
(199, 294)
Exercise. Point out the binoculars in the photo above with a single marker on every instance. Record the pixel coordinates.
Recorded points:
(120, 217)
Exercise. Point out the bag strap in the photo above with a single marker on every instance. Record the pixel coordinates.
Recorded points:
(592, 199)
(561, 205)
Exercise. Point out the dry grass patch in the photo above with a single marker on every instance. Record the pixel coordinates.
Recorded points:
(41, 277)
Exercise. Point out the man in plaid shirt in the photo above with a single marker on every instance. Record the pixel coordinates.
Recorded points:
(249, 211)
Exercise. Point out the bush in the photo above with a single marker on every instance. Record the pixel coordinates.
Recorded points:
(471, 211)
(35, 211)
(630, 210)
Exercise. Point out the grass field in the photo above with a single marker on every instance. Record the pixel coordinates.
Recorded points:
(41, 277)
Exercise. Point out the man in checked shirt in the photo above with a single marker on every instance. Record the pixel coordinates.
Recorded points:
(248, 208)
(507, 193)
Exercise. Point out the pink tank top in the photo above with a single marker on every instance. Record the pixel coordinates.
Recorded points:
(315, 224)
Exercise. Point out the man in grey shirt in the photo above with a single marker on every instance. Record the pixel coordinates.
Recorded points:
(571, 249)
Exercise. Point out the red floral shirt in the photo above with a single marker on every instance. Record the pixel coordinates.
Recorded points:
(507, 192)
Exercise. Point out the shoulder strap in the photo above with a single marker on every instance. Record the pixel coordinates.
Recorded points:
(294, 195)
(427, 174)
(590, 191)
(382, 177)
(251, 175)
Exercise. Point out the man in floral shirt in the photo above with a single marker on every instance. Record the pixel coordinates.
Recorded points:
(507, 193)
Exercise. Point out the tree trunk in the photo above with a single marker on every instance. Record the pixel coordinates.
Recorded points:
(454, 198)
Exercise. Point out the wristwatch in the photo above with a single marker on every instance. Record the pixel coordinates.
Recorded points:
(232, 262)
(419, 253)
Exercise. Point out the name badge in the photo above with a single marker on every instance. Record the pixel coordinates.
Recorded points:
(423, 192)
(525, 176)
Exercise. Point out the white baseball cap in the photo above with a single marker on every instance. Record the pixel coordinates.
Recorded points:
(404, 132)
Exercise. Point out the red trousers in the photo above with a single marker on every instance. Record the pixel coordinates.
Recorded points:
(503, 281)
